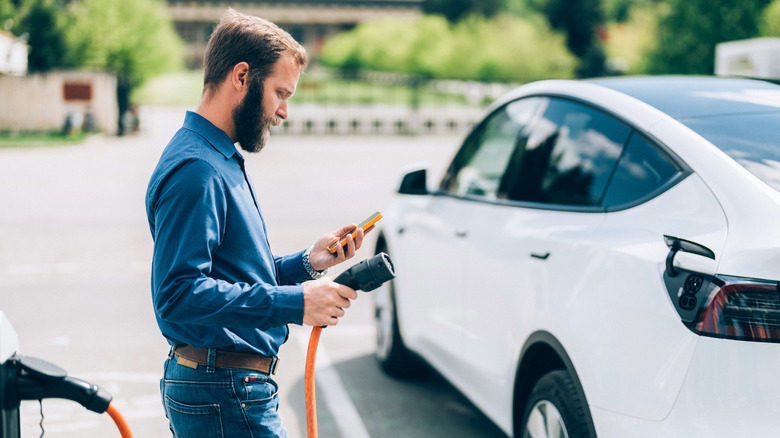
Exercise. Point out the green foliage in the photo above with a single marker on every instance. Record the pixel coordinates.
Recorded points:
(502, 49)
(629, 41)
(581, 21)
(620, 11)
(132, 38)
(770, 20)
(7, 12)
(46, 29)
(690, 29)
(456, 10)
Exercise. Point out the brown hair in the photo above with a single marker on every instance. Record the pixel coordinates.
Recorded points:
(244, 38)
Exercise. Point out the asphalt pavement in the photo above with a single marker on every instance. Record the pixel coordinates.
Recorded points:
(75, 254)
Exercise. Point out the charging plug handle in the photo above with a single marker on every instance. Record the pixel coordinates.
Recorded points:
(369, 274)
(39, 379)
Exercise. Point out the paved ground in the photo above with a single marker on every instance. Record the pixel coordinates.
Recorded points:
(74, 278)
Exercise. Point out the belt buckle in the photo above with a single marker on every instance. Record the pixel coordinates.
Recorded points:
(274, 363)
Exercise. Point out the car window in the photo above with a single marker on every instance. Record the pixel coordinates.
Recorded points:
(480, 164)
(642, 169)
(566, 156)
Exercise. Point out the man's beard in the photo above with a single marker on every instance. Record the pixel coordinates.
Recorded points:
(252, 129)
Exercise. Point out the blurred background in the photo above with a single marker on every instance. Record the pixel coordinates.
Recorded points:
(92, 90)
(71, 67)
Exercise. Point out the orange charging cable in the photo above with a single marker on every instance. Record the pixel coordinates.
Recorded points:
(308, 383)
(119, 420)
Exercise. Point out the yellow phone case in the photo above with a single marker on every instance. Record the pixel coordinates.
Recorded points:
(366, 224)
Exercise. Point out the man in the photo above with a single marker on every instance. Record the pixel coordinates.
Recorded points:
(221, 299)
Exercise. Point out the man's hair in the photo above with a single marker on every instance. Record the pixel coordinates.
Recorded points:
(244, 38)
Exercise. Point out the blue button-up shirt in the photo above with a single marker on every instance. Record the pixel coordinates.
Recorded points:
(215, 282)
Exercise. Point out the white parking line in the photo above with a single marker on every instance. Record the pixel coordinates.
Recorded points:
(329, 384)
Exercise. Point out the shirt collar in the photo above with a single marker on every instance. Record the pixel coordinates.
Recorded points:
(215, 136)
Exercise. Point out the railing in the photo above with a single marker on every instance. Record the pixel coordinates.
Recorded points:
(386, 104)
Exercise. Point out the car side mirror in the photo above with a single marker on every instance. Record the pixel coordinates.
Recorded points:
(414, 183)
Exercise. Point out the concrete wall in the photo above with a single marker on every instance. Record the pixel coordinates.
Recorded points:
(42, 102)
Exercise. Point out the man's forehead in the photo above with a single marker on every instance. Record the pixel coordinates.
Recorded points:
(285, 74)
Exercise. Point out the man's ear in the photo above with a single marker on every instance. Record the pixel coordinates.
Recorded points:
(239, 77)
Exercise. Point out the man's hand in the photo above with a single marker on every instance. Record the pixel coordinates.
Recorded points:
(320, 258)
(324, 301)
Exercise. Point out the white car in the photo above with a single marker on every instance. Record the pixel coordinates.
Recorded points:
(601, 258)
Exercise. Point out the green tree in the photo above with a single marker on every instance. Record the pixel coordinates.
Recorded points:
(690, 29)
(770, 20)
(582, 22)
(455, 10)
(40, 20)
(132, 38)
(503, 49)
(7, 12)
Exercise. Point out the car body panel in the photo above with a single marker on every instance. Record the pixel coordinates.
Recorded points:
(593, 280)
(737, 402)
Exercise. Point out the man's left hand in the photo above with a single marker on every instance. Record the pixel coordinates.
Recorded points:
(321, 258)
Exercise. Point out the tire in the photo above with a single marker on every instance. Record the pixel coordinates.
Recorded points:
(391, 353)
(555, 409)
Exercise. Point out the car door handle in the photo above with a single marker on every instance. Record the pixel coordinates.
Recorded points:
(540, 256)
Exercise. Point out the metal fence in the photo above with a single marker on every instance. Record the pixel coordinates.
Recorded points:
(380, 103)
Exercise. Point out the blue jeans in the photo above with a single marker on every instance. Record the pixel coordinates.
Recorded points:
(211, 402)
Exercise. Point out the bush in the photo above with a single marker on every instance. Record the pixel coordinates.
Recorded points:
(503, 49)
(690, 29)
(770, 21)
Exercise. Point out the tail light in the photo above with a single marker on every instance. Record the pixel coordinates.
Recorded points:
(727, 307)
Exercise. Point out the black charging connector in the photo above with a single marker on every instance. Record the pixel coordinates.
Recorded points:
(38, 379)
(369, 274)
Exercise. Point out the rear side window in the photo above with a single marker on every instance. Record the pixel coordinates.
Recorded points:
(481, 162)
(642, 170)
(566, 157)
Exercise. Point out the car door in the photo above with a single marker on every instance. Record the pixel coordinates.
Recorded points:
(435, 238)
(531, 241)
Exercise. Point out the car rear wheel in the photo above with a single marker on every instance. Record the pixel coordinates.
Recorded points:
(555, 409)
(393, 356)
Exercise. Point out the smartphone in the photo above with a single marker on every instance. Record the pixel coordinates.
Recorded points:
(366, 224)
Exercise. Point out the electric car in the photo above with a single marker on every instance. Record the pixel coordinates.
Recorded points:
(600, 258)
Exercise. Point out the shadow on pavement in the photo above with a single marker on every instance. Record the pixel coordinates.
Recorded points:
(425, 406)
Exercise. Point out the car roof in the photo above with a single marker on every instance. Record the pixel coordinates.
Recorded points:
(698, 96)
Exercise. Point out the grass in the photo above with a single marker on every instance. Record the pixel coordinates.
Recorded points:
(181, 88)
(10, 140)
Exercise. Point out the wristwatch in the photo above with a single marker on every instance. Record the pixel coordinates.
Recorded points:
(313, 273)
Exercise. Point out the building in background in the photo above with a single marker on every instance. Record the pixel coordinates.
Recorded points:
(13, 55)
(311, 22)
(64, 101)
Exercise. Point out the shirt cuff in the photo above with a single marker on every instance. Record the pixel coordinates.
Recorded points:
(291, 269)
(289, 304)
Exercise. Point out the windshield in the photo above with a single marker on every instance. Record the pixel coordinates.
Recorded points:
(752, 139)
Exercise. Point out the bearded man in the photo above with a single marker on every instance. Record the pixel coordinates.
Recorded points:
(221, 298)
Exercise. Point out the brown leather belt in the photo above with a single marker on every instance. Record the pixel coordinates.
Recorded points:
(190, 357)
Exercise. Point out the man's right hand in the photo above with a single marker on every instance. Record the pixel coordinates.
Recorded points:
(324, 301)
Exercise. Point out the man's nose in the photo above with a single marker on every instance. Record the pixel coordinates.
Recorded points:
(282, 110)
